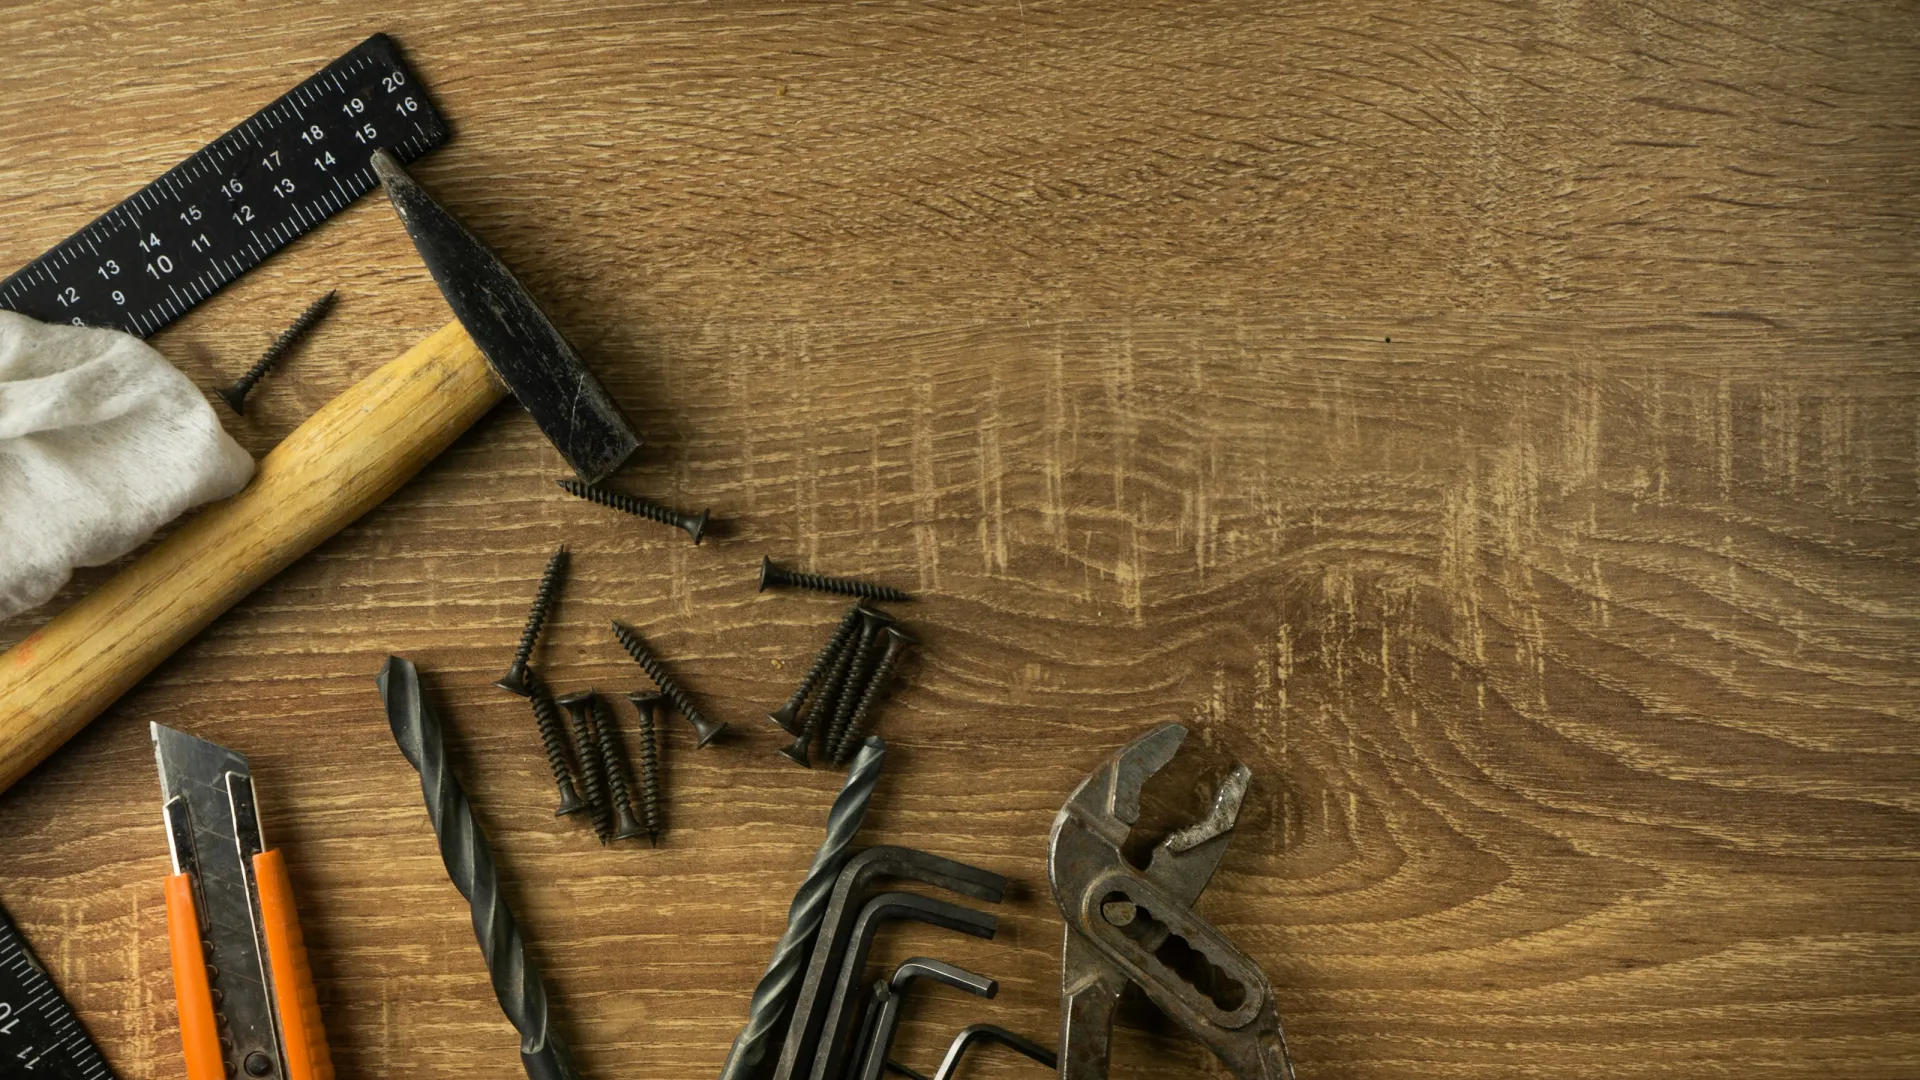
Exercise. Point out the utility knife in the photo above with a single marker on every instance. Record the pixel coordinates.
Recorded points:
(240, 975)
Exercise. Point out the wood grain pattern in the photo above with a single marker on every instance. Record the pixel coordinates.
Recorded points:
(1497, 424)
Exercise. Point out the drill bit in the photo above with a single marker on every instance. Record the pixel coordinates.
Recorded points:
(469, 862)
(775, 994)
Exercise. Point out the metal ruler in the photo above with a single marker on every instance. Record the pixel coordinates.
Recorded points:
(221, 212)
(40, 1037)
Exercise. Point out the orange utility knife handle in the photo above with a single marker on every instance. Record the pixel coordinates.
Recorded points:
(304, 1039)
(199, 1037)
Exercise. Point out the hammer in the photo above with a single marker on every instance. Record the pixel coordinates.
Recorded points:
(343, 461)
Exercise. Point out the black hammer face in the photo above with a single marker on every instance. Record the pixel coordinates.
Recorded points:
(540, 369)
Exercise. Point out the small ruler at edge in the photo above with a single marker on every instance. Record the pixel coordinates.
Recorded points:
(40, 1037)
(246, 195)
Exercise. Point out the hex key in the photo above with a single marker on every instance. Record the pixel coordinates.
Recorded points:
(992, 1033)
(885, 860)
(830, 1056)
(893, 993)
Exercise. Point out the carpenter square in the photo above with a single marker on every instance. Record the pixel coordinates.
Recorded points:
(347, 458)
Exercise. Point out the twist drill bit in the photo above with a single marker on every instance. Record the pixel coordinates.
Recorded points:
(593, 773)
(469, 862)
(775, 994)
(547, 718)
(694, 524)
(236, 395)
(707, 729)
(866, 590)
(515, 679)
(788, 715)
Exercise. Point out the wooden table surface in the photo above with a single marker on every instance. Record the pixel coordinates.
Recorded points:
(1495, 423)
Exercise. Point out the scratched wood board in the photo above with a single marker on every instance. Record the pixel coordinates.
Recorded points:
(1496, 424)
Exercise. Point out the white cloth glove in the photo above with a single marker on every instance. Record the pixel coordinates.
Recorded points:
(102, 441)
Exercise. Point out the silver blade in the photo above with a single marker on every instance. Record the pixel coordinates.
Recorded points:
(540, 369)
(207, 792)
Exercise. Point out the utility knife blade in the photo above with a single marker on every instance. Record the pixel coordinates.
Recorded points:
(240, 976)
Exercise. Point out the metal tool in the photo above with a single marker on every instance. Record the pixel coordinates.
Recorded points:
(593, 768)
(773, 576)
(541, 370)
(613, 761)
(891, 993)
(874, 688)
(546, 717)
(236, 395)
(1128, 926)
(240, 975)
(989, 1033)
(344, 460)
(469, 862)
(864, 657)
(775, 992)
(849, 892)
(647, 703)
(787, 716)
(705, 730)
(39, 1034)
(249, 193)
(694, 525)
(515, 680)
(833, 1050)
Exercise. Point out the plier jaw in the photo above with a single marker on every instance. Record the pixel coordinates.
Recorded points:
(1128, 926)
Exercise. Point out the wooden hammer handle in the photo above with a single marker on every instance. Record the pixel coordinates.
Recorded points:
(348, 457)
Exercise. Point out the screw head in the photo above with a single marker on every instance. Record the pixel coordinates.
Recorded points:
(575, 702)
(797, 753)
(515, 681)
(235, 398)
(769, 574)
(698, 527)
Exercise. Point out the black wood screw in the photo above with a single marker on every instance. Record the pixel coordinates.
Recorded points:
(898, 642)
(516, 677)
(788, 715)
(586, 747)
(547, 717)
(694, 524)
(821, 711)
(647, 703)
(236, 395)
(614, 760)
(856, 681)
(771, 575)
(708, 730)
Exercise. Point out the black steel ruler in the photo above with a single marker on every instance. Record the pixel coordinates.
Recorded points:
(40, 1038)
(250, 193)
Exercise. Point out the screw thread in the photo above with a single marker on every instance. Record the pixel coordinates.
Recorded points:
(649, 768)
(658, 673)
(593, 781)
(876, 689)
(821, 714)
(820, 663)
(244, 384)
(865, 590)
(546, 716)
(614, 760)
(635, 505)
(850, 690)
(542, 604)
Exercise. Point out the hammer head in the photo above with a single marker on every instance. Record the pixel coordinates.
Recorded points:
(540, 369)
